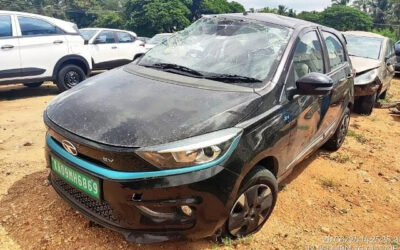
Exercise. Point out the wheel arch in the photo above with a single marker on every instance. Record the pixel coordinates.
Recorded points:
(72, 59)
(270, 163)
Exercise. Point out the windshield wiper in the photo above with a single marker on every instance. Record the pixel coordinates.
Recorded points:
(174, 68)
(227, 78)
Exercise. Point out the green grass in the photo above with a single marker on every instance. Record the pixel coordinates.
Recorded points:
(359, 137)
(328, 183)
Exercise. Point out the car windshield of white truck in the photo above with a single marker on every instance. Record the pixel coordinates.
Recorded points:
(366, 47)
(221, 49)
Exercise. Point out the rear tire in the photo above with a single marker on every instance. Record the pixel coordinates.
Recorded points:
(33, 85)
(365, 104)
(383, 95)
(337, 139)
(69, 76)
(253, 206)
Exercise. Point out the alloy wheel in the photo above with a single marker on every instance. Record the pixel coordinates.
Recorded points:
(72, 78)
(250, 210)
(344, 127)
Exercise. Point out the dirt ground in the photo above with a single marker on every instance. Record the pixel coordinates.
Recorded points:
(352, 196)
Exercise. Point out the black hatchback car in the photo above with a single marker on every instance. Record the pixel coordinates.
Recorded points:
(192, 139)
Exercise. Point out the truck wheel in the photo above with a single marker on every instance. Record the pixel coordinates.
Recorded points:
(33, 85)
(365, 104)
(337, 139)
(253, 206)
(69, 76)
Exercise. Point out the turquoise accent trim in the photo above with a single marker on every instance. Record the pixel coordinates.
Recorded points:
(117, 175)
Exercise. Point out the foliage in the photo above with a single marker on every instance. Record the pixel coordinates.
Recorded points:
(340, 17)
(346, 18)
(146, 17)
(312, 16)
(387, 32)
(281, 10)
(341, 2)
(111, 20)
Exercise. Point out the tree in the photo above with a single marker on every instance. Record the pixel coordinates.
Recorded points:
(363, 5)
(341, 2)
(148, 17)
(282, 10)
(313, 16)
(112, 20)
(346, 18)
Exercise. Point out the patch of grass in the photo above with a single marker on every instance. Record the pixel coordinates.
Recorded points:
(339, 157)
(227, 242)
(328, 183)
(359, 137)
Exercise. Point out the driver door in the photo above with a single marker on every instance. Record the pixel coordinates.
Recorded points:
(305, 111)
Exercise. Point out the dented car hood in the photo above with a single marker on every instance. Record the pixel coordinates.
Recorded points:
(361, 64)
(126, 109)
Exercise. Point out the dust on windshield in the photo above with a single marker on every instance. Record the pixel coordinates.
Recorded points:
(228, 50)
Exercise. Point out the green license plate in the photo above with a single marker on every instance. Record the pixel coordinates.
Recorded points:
(86, 184)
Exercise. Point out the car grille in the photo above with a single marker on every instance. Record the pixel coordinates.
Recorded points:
(99, 208)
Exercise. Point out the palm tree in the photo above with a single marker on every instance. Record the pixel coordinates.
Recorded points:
(341, 2)
(363, 5)
(282, 10)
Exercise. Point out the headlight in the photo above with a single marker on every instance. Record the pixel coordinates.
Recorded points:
(213, 147)
(366, 78)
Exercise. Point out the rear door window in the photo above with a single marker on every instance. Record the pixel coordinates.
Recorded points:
(124, 37)
(36, 27)
(5, 26)
(335, 50)
(105, 37)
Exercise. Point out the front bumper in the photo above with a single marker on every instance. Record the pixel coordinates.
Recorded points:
(366, 89)
(150, 210)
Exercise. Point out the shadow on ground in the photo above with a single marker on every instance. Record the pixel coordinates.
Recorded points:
(14, 92)
(35, 217)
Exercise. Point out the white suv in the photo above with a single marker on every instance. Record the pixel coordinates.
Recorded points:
(111, 48)
(35, 48)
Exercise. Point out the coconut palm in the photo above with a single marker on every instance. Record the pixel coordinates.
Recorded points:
(341, 2)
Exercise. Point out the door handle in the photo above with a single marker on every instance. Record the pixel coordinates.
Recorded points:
(7, 47)
(58, 42)
(114, 47)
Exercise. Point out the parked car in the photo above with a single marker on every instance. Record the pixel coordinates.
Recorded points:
(37, 48)
(156, 40)
(111, 48)
(373, 59)
(144, 39)
(397, 50)
(189, 145)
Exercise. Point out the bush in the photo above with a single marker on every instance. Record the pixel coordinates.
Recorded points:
(388, 33)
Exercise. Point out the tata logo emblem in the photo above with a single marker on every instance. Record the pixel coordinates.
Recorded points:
(69, 147)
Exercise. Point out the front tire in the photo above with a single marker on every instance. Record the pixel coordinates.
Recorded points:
(33, 85)
(255, 203)
(336, 141)
(365, 104)
(69, 76)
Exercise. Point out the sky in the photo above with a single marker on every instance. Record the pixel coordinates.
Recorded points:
(298, 5)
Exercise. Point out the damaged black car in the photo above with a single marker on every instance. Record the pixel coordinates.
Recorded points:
(192, 139)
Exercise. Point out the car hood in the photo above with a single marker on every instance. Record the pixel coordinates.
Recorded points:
(361, 64)
(127, 109)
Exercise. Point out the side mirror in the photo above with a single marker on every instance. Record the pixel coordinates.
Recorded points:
(314, 84)
(97, 41)
(86, 42)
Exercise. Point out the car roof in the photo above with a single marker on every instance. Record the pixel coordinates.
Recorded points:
(270, 18)
(98, 29)
(50, 19)
(363, 33)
